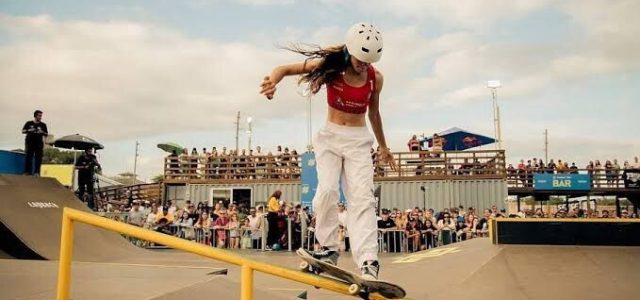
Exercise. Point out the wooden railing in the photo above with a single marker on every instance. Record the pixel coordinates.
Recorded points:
(599, 178)
(120, 195)
(485, 164)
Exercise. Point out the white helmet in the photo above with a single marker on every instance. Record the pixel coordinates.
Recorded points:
(364, 42)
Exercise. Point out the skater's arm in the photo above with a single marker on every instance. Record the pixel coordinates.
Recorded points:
(268, 85)
(376, 123)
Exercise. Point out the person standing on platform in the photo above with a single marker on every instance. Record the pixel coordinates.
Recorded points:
(86, 165)
(414, 144)
(35, 131)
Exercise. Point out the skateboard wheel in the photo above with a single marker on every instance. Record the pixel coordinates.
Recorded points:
(304, 266)
(354, 289)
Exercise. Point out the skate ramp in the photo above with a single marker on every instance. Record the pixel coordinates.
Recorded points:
(482, 270)
(31, 217)
(5, 255)
(556, 272)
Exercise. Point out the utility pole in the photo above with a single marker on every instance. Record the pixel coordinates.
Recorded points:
(494, 85)
(546, 146)
(249, 131)
(306, 93)
(237, 130)
(135, 165)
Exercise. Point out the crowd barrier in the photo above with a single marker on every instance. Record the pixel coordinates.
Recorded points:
(389, 240)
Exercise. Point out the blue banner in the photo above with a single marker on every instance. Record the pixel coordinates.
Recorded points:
(631, 178)
(11, 162)
(562, 182)
(309, 180)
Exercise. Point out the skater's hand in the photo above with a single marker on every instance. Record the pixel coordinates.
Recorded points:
(268, 87)
(387, 157)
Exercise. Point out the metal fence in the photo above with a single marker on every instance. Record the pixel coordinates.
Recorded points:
(389, 240)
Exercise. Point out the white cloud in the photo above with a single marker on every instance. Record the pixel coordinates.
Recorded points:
(98, 77)
(267, 2)
(468, 14)
(202, 3)
(119, 80)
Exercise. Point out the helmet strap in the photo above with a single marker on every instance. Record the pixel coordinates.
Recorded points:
(346, 54)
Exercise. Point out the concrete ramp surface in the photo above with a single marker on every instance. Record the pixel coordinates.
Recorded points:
(31, 221)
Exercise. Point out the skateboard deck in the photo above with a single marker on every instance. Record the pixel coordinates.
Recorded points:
(358, 285)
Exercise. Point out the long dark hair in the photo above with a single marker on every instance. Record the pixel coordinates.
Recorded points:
(277, 194)
(333, 61)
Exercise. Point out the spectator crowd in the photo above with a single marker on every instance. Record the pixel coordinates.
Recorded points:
(282, 224)
(608, 174)
(229, 225)
(232, 164)
(284, 164)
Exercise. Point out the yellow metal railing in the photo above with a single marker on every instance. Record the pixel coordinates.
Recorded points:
(247, 266)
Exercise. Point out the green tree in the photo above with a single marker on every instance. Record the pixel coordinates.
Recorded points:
(127, 175)
(556, 200)
(157, 178)
(57, 157)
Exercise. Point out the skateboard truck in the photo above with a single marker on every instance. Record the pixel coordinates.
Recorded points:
(356, 286)
(353, 288)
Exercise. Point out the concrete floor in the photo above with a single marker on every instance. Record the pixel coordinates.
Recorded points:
(474, 268)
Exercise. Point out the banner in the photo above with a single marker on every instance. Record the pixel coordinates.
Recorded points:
(309, 180)
(562, 182)
(11, 162)
(62, 173)
(631, 178)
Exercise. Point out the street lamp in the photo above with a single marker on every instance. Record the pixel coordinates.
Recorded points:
(250, 130)
(424, 198)
(494, 85)
(305, 92)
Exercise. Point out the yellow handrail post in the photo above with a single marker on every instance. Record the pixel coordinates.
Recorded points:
(66, 251)
(246, 291)
(247, 266)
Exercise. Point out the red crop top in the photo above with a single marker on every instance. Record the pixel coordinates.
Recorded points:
(350, 99)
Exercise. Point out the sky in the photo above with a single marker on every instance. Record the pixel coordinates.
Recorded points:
(179, 71)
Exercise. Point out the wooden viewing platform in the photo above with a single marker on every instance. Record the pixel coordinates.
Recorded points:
(412, 166)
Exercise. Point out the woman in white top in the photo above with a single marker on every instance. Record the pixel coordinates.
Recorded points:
(447, 227)
(234, 232)
(599, 172)
(185, 226)
(151, 217)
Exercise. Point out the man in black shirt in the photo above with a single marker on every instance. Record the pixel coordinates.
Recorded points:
(36, 131)
(391, 239)
(86, 166)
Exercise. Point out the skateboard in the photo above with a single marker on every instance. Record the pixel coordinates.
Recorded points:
(358, 286)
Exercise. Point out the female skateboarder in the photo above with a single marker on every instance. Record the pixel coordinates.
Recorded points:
(342, 146)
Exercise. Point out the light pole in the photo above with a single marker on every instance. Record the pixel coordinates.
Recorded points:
(237, 129)
(249, 131)
(494, 85)
(546, 146)
(424, 198)
(135, 164)
(306, 92)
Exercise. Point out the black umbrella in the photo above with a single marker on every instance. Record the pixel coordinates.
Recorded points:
(77, 142)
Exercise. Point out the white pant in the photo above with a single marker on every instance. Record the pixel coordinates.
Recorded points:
(343, 153)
